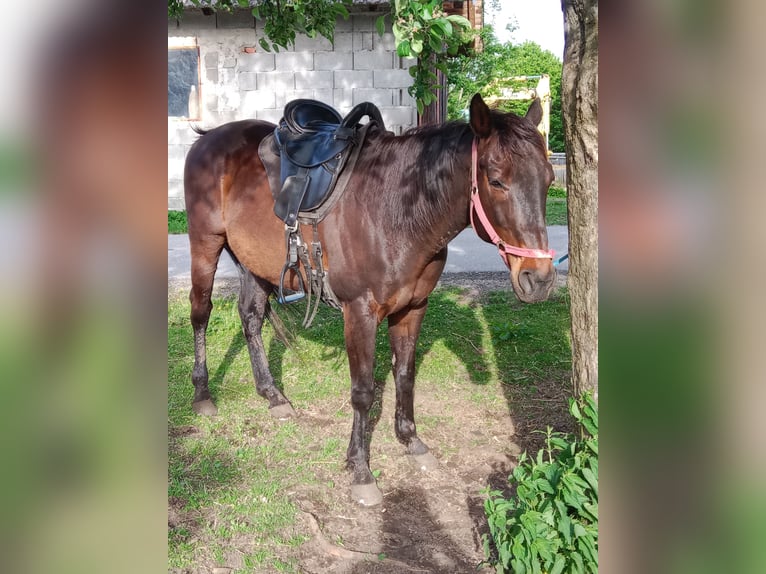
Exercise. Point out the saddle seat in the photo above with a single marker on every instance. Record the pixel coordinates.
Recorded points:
(313, 143)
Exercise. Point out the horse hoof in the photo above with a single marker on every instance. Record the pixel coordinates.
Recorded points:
(425, 462)
(366, 494)
(205, 407)
(283, 412)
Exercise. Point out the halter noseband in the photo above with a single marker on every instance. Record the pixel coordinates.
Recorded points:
(504, 249)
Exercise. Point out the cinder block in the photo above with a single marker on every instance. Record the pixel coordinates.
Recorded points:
(404, 63)
(344, 42)
(211, 75)
(195, 20)
(391, 79)
(176, 195)
(326, 96)
(294, 61)
(344, 25)
(313, 80)
(211, 59)
(211, 103)
(276, 81)
(363, 23)
(386, 42)
(273, 115)
(291, 95)
(363, 41)
(305, 44)
(378, 97)
(373, 60)
(176, 169)
(353, 79)
(256, 100)
(399, 116)
(247, 80)
(235, 19)
(179, 132)
(405, 99)
(342, 99)
(258, 62)
(176, 152)
(333, 61)
(230, 62)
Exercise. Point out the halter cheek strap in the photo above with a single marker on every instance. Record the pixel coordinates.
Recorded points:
(476, 206)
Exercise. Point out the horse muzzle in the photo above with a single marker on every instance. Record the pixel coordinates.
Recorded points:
(534, 283)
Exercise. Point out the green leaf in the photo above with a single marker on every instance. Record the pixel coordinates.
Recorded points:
(578, 564)
(417, 45)
(264, 44)
(459, 20)
(380, 25)
(558, 565)
(591, 478)
(341, 10)
(574, 408)
(403, 49)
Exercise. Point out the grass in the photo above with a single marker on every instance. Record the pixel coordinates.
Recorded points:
(232, 479)
(556, 207)
(555, 213)
(177, 223)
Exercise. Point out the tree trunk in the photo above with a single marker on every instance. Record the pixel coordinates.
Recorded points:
(579, 96)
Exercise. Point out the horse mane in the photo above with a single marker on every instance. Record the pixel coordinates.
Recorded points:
(429, 161)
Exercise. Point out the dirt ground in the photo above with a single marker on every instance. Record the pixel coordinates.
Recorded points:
(429, 521)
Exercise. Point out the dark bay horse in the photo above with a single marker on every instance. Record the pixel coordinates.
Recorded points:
(385, 244)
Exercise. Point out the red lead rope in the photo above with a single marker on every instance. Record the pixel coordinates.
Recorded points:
(493, 236)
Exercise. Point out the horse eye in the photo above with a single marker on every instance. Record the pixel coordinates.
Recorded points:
(497, 183)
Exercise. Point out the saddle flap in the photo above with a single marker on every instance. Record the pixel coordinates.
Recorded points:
(289, 200)
(310, 149)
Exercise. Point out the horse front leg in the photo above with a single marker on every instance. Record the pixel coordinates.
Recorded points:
(403, 333)
(360, 326)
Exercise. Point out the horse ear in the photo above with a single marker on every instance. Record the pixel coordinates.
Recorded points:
(481, 123)
(535, 112)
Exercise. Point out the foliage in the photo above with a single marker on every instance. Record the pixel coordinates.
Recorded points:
(177, 222)
(552, 523)
(421, 29)
(482, 71)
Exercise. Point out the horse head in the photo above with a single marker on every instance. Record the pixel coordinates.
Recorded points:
(511, 177)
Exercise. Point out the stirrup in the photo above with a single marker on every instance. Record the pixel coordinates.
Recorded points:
(292, 264)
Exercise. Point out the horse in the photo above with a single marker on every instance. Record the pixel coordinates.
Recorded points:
(384, 245)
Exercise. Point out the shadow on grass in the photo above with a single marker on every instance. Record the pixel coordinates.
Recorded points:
(533, 361)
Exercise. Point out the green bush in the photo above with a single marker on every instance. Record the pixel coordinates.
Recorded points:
(177, 222)
(551, 526)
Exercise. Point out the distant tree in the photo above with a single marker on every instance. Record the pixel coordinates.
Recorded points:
(483, 72)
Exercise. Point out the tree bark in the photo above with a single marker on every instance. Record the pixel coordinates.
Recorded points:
(579, 96)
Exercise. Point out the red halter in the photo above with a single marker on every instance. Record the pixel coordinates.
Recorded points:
(493, 236)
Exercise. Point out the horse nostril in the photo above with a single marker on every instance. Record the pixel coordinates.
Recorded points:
(526, 281)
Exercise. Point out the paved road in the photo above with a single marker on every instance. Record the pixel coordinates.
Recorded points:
(467, 253)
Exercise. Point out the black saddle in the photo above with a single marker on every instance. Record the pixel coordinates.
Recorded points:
(314, 143)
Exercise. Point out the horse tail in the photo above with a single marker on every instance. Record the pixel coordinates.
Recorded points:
(195, 128)
(281, 331)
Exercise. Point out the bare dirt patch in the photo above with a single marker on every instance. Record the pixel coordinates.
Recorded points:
(429, 521)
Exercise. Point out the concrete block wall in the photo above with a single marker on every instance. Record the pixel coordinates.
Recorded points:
(240, 80)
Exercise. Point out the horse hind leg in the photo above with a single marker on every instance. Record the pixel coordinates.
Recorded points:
(253, 302)
(204, 260)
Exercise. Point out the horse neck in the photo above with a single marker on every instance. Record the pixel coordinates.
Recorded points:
(454, 217)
